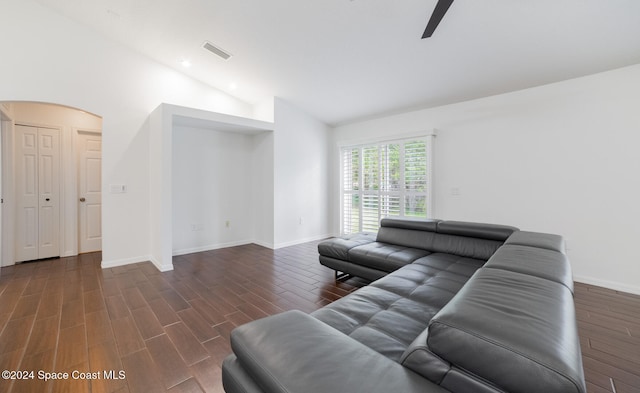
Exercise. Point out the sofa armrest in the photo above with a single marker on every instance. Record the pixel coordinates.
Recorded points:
(539, 240)
(539, 262)
(511, 330)
(294, 352)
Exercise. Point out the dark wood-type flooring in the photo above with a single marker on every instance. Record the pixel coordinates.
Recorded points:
(170, 331)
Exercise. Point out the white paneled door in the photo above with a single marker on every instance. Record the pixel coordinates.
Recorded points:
(90, 191)
(37, 193)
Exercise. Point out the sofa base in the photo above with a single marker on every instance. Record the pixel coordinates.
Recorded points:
(235, 379)
(352, 269)
(342, 276)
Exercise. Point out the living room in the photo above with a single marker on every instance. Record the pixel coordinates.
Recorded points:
(554, 156)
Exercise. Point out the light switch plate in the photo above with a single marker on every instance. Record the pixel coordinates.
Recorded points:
(118, 188)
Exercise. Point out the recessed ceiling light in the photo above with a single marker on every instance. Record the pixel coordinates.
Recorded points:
(233, 86)
(185, 63)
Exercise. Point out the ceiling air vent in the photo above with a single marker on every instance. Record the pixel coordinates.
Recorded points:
(215, 50)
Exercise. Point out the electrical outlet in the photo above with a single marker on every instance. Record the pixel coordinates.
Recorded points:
(196, 227)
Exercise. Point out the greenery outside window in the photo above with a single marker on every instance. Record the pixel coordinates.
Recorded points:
(384, 179)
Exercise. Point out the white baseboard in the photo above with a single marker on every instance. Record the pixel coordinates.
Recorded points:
(142, 258)
(210, 247)
(263, 244)
(161, 267)
(124, 261)
(168, 267)
(300, 241)
(244, 242)
(616, 286)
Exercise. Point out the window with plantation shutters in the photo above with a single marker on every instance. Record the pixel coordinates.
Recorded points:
(382, 180)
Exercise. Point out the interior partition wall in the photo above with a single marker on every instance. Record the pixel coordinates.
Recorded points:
(164, 121)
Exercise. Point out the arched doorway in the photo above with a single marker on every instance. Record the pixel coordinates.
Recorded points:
(51, 181)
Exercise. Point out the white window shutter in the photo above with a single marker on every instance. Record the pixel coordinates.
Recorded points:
(382, 180)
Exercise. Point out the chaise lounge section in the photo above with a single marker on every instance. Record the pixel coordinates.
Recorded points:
(459, 307)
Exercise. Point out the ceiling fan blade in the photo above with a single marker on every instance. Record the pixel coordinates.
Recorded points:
(436, 17)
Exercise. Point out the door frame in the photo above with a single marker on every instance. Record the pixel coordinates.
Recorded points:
(7, 256)
(76, 181)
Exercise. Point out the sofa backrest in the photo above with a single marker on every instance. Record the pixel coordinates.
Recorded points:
(466, 239)
(512, 327)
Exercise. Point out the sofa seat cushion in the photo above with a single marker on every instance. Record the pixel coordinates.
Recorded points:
(384, 256)
(388, 314)
(453, 266)
(339, 247)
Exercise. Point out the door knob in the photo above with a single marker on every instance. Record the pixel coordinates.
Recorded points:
(82, 199)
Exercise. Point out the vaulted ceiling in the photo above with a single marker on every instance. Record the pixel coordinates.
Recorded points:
(343, 60)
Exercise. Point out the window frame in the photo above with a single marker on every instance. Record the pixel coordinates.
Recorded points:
(401, 192)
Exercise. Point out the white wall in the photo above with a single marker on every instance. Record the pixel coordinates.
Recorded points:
(69, 121)
(264, 110)
(50, 58)
(212, 184)
(301, 170)
(264, 184)
(263, 189)
(561, 158)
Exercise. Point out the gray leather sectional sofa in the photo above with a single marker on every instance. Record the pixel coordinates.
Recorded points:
(456, 307)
